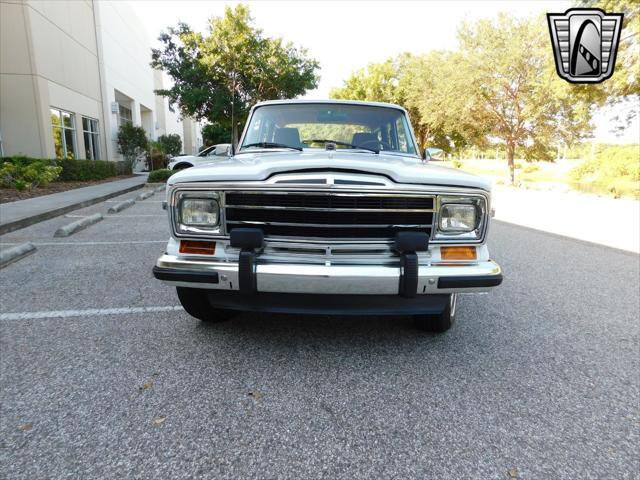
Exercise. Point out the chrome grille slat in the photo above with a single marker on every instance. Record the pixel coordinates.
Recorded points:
(327, 216)
(312, 209)
(325, 225)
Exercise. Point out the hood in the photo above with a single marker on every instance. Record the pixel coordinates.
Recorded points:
(259, 166)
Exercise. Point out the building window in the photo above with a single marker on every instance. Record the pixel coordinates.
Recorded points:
(91, 138)
(64, 133)
(124, 114)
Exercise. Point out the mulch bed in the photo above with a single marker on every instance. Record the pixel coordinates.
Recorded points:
(11, 195)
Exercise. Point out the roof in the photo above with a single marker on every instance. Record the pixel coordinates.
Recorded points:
(330, 100)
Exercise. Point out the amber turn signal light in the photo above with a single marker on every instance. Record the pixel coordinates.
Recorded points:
(198, 247)
(458, 253)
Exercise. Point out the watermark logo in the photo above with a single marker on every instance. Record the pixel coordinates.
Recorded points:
(585, 42)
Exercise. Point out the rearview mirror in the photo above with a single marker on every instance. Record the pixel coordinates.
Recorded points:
(427, 155)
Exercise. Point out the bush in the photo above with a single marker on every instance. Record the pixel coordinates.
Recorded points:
(530, 168)
(131, 141)
(160, 176)
(80, 170)
(74, 170)
(21, 173)
(456, 164)
(615, 170)
(170, 144)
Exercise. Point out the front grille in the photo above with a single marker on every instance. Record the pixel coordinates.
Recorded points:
(329, 215)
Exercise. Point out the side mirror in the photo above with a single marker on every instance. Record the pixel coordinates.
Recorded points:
(427, 155)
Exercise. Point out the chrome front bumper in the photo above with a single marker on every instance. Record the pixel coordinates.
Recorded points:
(327, 279)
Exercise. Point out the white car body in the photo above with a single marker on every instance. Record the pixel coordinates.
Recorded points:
(209, 154)
(262, 259)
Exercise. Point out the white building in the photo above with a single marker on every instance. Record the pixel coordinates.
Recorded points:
(71, 72)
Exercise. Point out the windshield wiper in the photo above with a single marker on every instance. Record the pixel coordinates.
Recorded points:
(344, 144)
(271, 145)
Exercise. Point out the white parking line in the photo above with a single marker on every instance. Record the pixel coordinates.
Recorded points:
(87, 312)
(50, 244)
(117, 215)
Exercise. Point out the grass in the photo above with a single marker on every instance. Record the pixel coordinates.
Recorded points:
(562, 175)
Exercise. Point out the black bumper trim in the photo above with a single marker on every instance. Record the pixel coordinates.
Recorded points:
(174, 275)
(314, 304)
(470, 282)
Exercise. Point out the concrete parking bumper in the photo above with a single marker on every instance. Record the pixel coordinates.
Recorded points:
(12, 254)
(78, 225)
(121, 206)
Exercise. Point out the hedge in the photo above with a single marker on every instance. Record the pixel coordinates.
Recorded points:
(76, 170)
(160, 176)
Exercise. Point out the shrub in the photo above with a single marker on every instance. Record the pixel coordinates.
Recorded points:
(456, 164)
(170, 144)
(132, 141)
(615, 170)
(74, 170)
(21, 173)
(160, 176)
(80, 170)
(530, 168)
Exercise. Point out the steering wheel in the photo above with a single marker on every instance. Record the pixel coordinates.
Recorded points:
(386, 145)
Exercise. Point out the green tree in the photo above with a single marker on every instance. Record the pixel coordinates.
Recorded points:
(214, 133)
(223, 73)
(170, 144)
(419, 84)
(513, 91)
(131, 141)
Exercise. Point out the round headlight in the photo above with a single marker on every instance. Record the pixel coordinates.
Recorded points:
(458, 218)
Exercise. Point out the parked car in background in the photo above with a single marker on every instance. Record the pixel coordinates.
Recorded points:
(328, 207)
(214, 152)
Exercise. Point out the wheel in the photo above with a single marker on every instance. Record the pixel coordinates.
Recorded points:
(195, 302)
(438, 323)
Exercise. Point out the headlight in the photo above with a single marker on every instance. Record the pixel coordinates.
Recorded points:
(461, 218)
(197, 212)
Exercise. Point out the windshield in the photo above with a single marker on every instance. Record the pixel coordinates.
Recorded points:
(207, 151)
(314, 125)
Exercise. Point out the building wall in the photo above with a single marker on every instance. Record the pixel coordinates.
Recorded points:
(49, 59)
(79, 56)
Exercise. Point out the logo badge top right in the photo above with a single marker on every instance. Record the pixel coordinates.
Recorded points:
(585, 42)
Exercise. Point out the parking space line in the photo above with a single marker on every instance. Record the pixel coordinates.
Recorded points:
(87, 312)
(50, 244)
(117, 215)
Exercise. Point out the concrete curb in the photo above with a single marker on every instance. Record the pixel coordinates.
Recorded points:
(13, 254)
(78, 225)
(144, 195)
(56, 212)
(121, 206)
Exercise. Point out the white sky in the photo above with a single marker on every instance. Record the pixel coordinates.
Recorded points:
(347, 35)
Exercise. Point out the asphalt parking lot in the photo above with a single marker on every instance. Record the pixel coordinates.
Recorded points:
(538, 379)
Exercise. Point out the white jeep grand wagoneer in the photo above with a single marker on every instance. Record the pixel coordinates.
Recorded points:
(327, 207)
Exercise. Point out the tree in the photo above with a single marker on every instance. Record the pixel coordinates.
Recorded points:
(214, 133)
(513, 91)
(132, 141)
(419, 84)
(170, 144)
(223, 73)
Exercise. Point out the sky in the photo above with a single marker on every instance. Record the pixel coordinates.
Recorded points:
(347, 35)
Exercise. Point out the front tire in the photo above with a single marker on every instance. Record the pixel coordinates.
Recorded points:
(195, 303)
(438, 323)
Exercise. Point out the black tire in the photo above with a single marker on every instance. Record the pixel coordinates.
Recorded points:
(438, 323)
(195, 303)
